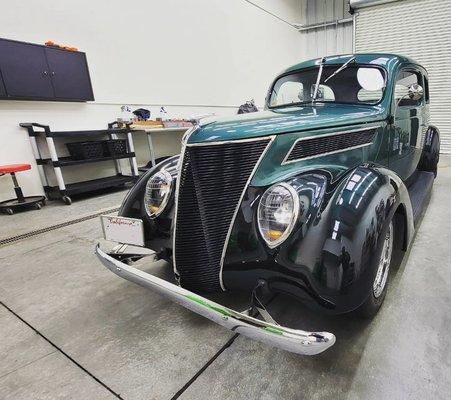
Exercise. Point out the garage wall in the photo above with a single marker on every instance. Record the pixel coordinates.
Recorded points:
(209, 56)
(420, 30)
(329, 40)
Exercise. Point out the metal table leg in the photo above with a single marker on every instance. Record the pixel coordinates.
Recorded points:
(151, 149)
(131, 147)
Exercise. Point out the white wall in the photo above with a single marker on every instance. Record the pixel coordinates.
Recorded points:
(192, 56)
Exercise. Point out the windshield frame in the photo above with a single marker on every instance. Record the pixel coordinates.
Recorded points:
(316, 67)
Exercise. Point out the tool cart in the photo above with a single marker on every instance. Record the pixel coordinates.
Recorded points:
(96, 149)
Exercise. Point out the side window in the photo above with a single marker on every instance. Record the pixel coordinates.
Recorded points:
(426, 89)
(403, 81)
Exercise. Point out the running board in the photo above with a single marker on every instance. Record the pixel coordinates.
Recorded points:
(419, 192)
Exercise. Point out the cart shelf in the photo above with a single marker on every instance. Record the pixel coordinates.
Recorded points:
(98, 132)
(63, 190)
(92, 185)
(66, 161)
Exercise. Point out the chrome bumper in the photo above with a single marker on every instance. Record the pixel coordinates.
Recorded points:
(295, 341)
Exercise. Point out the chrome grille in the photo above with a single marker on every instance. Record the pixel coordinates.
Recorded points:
(212, 180)
(327, 144)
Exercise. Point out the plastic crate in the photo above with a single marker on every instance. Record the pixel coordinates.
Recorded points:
(86, 150)
(115, 147)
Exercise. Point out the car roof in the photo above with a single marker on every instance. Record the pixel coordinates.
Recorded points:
(385, 60)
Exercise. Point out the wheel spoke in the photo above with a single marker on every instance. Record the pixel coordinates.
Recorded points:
(384, 263)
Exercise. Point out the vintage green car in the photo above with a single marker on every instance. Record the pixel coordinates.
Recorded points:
(312, 197)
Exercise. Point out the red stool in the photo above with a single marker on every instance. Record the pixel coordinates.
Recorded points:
(21, 202)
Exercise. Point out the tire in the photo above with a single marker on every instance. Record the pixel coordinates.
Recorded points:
(38, 206)
(9, 211)
(380, 283)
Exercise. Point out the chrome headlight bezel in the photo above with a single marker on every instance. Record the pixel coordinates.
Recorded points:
(166, 177)
(294, 216)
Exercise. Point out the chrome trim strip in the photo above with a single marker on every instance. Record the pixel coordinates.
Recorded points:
(185, 138)
(255, 139)
(285, 160)
(293, 340)
(229, 232)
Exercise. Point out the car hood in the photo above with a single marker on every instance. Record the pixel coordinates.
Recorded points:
(286, 120)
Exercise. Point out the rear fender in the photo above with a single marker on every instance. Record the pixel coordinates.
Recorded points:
(431, 150)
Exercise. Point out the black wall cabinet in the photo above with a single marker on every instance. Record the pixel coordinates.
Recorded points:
(34, 72)
(2, 87)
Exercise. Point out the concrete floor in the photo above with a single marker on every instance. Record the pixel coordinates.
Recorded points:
(71, 329)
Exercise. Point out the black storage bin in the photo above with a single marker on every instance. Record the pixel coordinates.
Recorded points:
(86, 150)
(115, 147)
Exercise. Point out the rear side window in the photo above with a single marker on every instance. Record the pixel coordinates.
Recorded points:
(403, 81)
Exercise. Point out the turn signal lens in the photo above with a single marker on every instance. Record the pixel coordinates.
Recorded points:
(158, 191)
(277, 213)
(274, 235)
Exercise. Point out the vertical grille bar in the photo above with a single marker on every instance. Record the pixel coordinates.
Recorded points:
(212, 180)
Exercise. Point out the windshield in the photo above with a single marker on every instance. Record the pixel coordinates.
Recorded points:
(354, 84)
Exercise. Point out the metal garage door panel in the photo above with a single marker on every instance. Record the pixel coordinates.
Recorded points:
(419, 29)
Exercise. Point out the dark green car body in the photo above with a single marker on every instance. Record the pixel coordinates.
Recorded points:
(355, 188)
(291, 123)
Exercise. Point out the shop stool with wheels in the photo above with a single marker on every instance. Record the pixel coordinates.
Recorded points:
(20, 202)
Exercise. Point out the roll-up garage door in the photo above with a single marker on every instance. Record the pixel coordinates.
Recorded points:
(420, 29)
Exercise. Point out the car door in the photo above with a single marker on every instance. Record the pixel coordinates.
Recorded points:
(405, 139)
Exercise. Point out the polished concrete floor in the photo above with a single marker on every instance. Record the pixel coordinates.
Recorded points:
(70, 329)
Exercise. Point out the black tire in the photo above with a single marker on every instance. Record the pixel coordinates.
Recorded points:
(377, 292)
(38, 206)
(9, 211)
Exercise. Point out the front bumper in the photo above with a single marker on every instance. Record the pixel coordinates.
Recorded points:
(295, 341)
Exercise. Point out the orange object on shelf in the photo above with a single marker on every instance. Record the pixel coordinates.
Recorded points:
(51, 43)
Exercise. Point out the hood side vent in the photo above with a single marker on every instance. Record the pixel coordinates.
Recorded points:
(321, 145)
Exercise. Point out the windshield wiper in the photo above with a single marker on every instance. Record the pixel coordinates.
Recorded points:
(341, 68)
(318, 78)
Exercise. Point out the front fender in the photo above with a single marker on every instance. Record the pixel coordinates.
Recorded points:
(157, 231)
(355, 219)
(330, 259)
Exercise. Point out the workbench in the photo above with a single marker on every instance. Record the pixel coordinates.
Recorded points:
(148, 130)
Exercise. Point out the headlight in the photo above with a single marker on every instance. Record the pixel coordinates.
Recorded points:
(158, 191)
(277, 213)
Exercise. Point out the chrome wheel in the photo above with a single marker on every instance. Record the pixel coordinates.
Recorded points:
(384, 263)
